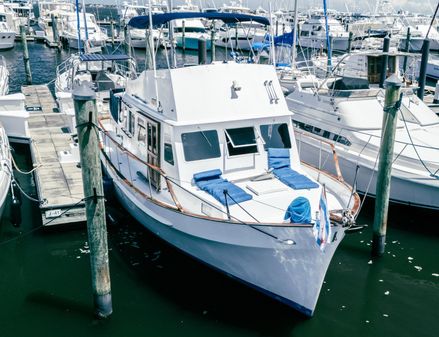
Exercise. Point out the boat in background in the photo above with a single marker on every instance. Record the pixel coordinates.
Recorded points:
(8, 27)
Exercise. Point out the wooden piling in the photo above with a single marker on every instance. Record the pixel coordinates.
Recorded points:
(55, 31)
(202, 52)
(212, 42)
(86, 121)
(351, 35)
(384, 61)
(26, 55)
(112, 32)
(390, 119)
(423, 68)
(183, 35)
(406, 49)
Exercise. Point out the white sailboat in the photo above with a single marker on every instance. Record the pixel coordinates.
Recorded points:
(214, 171)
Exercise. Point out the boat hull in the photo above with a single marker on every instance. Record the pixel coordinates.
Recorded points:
(7, 40)
(191, 42)
(338, 43)
(409, 190)
(290, 273)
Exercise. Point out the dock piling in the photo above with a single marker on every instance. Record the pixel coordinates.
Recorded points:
(26, 55)
(406, 49)
(112, 32)
(390, 119)
(423, 68)
(384, 61)
(55, 31)
(212, 42)
(183, 35)
(202, 51)
(351, 35)
(86, 121)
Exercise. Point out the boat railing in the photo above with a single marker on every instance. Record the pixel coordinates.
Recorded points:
(323, 142)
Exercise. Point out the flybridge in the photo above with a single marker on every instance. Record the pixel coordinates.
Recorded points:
(143, 22)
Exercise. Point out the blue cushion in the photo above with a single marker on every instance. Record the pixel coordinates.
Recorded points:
(278, 158)
(294, 179)
(299, 211)
(212, 183)
(207, 175)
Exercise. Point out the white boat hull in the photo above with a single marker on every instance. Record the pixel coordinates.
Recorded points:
(408, 189)
(292, 274)
(338, 43)
(7, 40)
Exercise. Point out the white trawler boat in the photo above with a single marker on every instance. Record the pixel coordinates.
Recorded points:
(49, 8)
(8, 27)
(313, 33)
(348, 111)
(214, 170)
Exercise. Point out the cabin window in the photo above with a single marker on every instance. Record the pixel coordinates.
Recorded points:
(304, 33)
(200, 145)
(323, 133)
(141, 133)
(241, 141)
(276, 136)
(130, 121)
(169, 155)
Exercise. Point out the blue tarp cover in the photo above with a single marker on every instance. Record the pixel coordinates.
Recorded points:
(279, 161)
(142, 22)
(299, 211)
(212, 183)
(103, 57)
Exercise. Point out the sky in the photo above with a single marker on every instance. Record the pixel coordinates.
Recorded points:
(413, 6)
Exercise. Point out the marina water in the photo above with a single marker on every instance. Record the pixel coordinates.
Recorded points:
(158, 291)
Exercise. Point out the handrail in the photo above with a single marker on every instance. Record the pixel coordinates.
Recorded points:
(334, 153)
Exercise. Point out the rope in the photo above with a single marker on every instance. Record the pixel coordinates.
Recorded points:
(416, 151)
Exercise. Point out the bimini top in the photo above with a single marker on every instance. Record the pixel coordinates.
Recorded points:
(103, 57)
(142, 22)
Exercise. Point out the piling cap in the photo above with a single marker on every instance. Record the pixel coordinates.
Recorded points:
(393, 82)
(83, 92)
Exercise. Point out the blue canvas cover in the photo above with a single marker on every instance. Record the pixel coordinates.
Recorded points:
(299, 211)
(279, 161)
(212, 183)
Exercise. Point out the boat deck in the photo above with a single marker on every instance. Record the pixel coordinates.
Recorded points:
(58, 177)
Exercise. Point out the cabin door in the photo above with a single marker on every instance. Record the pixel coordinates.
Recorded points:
(153, 151)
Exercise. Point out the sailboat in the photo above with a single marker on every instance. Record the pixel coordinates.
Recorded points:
(214, 170)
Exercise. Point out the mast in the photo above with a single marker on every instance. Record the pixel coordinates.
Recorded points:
(85, 22)
(78, 26)
(151, 44)
(328, 42)
(296, 36)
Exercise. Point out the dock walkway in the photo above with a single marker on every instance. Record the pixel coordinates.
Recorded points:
(58, 176)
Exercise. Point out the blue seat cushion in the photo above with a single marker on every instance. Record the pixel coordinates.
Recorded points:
(278, 158)
(279, 161)
(212, 183)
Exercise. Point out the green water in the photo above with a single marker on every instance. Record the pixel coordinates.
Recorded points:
(45, 287)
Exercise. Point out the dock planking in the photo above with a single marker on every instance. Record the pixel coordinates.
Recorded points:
(58, 176)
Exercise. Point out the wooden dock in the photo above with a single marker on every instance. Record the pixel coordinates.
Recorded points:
(58, 175)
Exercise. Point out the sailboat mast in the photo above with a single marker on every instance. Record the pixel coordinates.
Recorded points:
(78, 25)
(151, 44)
(296, 36)
(85, 21)
(328, 42)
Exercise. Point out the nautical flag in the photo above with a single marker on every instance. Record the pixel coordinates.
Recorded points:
(322, 226)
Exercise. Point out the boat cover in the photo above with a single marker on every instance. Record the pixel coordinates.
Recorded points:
(103, 57)
(212, 183)
(279, 161)
(350, 83)
(142, 22)
(299, 211)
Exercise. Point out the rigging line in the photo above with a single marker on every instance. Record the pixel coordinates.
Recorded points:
(414, 146)
(432, 21)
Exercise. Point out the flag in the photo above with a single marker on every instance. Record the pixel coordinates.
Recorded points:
(322, 226)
